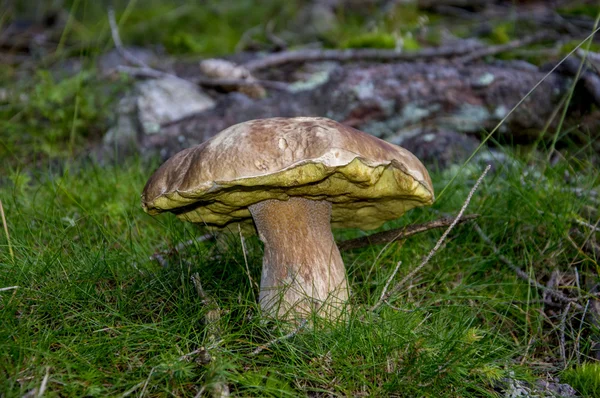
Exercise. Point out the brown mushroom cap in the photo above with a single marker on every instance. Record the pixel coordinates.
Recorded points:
(367, 180)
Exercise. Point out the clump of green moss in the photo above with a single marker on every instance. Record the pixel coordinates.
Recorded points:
(501, 33)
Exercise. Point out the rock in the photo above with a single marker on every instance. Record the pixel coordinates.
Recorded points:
(440, 149)
(222, 69)
(165, 100)
(394, 101)
(514, 388)
(151, 104)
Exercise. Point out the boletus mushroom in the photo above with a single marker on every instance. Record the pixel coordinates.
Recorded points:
(293, 179)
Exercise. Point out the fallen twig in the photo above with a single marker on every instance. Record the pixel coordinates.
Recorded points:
(4, 289)
(465, 53)
(279, 339)
(400, 233)
(437, 246)
(522, 274)
(202, 355)
(594, 228)
(359, 54)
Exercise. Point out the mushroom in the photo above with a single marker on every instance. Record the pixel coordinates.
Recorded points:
(294, 178)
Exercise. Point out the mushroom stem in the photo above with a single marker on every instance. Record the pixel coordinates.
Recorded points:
(303, 271)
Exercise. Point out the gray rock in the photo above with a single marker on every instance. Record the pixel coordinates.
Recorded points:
(442, 148)
(151, 104)
(165, 100)
(514, 388)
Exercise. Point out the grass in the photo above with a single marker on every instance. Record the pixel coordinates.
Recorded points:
(91, 311)
(101, 318)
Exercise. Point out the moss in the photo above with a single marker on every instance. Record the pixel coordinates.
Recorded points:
(370, 40)
(587, 10)
(570, 46)
(357, 31)
(410, 43)
(500, 33)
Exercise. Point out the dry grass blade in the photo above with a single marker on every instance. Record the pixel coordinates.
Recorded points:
(5, 225)
(387, 284)
(44, 383)
(114, 30)
(437, 246)
(252, 282)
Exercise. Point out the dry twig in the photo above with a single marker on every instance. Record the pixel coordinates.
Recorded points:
(4, 289)
(593, 227)
(465, 53)
(359, 54)
(437, 246)
(400, 233)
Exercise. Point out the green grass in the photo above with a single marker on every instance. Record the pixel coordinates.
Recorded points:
(584, 378)
(96, 313)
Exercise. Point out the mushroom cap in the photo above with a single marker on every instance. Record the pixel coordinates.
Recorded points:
(367, 180)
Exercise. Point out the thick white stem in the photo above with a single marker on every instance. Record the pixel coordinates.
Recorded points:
(303, 271)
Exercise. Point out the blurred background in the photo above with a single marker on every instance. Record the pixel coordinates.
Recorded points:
(60, 74)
